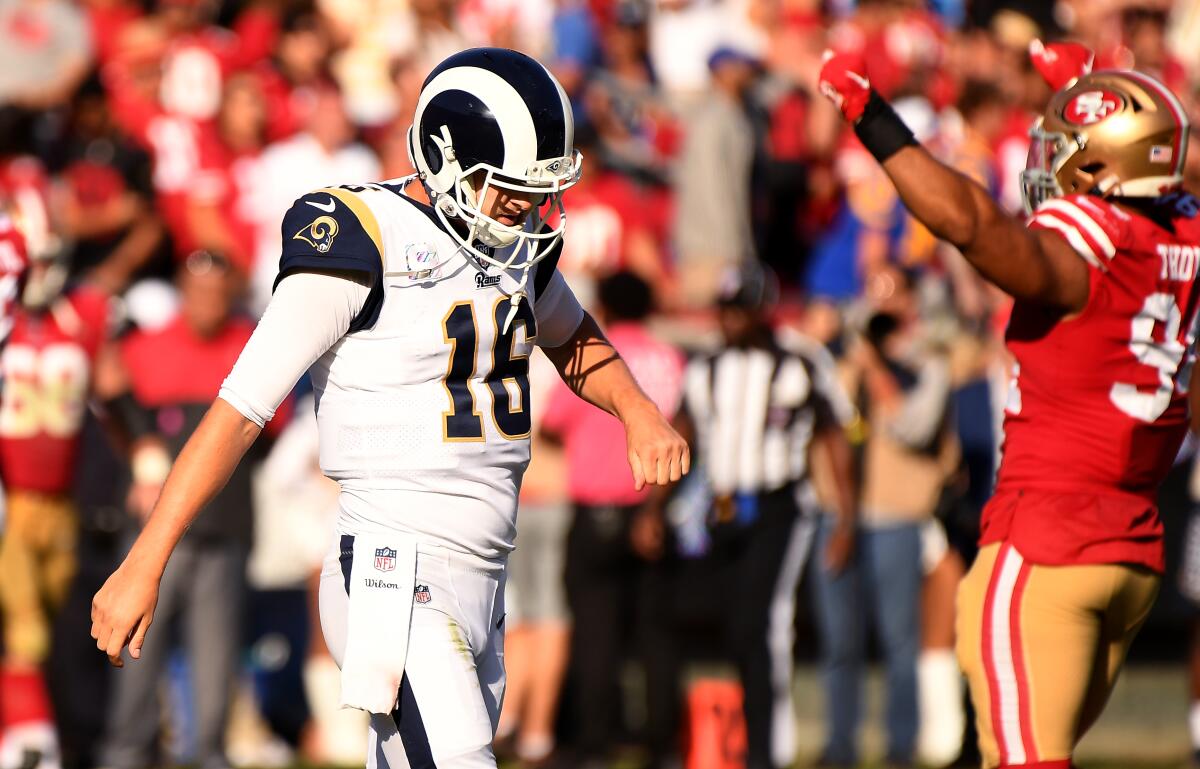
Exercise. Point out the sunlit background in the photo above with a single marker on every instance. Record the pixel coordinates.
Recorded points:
(145, 145)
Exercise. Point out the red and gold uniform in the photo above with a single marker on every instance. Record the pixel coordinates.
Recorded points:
(46, 367)
(14, 260)
(1072, 540)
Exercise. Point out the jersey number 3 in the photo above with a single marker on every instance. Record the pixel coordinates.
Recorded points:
(508, 377)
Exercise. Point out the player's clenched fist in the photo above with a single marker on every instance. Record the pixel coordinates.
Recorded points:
(657, 454)
(844, 81)
(122, 611)
(1061, 64)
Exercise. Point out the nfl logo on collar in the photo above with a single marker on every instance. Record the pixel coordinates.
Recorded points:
(421, 594)
(385, 559)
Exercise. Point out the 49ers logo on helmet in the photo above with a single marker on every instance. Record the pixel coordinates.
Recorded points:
(1090, 107)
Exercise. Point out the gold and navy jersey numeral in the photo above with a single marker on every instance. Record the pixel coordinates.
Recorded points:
(509, 371)
(462, 422)
(509, 367)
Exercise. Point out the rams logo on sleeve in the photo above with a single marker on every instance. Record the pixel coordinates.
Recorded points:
(319, 233)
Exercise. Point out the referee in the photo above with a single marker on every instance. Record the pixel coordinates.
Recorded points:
(752, 412)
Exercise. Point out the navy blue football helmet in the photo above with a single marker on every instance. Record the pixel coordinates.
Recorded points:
(498, 112)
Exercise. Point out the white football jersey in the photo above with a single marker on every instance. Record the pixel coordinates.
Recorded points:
(423, 406)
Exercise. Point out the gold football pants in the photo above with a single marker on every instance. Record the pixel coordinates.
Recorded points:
(1041, 647)
(37, 564)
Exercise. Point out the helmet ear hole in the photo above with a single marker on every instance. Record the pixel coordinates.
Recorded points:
(433, 155)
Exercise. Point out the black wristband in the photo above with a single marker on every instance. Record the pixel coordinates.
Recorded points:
(881, 130)
(137, 420)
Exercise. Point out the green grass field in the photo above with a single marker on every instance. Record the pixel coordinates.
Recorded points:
(1143, 727)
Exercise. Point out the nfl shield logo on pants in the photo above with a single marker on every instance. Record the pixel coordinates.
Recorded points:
(422, 594)
(385, 559)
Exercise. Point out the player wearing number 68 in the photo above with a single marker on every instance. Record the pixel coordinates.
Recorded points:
(1102, 334)
(417, 322)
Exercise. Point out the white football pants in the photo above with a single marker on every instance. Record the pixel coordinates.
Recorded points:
(453, 686)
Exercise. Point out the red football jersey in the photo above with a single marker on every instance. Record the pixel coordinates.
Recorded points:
(1098, 406)
(47, 367)
(14, 260)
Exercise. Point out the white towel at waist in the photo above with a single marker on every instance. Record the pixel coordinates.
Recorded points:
(382, 578)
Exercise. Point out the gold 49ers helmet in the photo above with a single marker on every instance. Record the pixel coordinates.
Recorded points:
(1115, 133)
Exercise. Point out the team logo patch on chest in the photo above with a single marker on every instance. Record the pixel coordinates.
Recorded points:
(319, 234)
(385, 559)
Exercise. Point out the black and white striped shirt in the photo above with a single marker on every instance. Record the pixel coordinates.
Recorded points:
(755, 412)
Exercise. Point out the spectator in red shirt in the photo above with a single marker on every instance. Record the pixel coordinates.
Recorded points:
(601, 569)
(614, 225)
(298, 67)
(106, 205)
(201, 55)
(221, 211)
(108, 20)
(167, 78)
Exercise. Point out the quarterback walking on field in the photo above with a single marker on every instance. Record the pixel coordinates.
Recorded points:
(417, 322)
(1102, 333)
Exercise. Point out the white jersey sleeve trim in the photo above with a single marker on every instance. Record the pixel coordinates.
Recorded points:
(557, 312)
(1073, 237)
(1084, 222)
(307, 315)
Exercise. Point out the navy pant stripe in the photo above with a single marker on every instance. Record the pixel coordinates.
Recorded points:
(346, 558)
(412, 728)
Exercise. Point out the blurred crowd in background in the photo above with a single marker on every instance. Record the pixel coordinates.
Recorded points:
(148, 151)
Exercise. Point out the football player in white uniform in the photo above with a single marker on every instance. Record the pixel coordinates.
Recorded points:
(417, 322)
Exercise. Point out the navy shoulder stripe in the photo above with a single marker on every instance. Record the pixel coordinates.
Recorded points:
(544, 270)
(332, 229)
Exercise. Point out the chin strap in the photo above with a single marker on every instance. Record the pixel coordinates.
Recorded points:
(515, 301)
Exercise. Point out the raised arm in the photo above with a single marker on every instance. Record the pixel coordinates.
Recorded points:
(1032, 266)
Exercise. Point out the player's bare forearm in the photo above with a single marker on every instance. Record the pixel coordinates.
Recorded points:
(591, 367)
(201, 470)
(594, 371)
(1030, 267)
(961, 212)
(123, 609)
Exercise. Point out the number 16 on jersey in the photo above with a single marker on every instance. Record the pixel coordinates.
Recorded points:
(507, 377)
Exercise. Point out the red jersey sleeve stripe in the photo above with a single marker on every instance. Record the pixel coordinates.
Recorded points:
(1082, 220)
(1072, 235)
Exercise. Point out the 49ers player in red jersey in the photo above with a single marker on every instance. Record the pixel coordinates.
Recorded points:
(1103, 332)
(45, 371)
